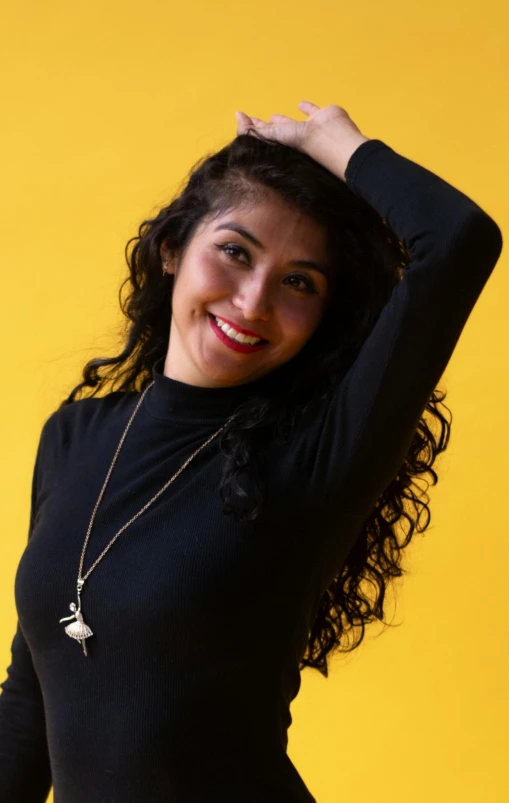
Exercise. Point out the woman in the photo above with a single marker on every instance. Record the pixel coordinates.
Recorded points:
(290, 315)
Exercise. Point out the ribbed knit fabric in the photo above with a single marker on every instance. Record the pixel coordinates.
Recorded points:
(199, 621)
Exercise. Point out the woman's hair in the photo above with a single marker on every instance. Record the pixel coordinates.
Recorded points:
(370, 260)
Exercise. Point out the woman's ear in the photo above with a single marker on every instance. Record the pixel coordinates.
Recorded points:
(168, 258)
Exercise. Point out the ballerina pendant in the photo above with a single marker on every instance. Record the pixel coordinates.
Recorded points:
(78, 630)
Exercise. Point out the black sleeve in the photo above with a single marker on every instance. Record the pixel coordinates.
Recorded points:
(365, 432)
(25, 773)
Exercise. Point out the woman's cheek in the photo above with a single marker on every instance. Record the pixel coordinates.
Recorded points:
(211, 279)
(300, 322)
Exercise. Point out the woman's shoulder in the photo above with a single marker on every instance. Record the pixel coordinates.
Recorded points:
(88, 416)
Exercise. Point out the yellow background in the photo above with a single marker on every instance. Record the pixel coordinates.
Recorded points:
(105, 106)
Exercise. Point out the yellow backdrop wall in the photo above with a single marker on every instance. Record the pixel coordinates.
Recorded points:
(104, 109)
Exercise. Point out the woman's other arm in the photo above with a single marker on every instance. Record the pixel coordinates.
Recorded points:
(25, 772)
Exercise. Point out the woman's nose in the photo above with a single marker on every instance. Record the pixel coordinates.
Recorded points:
(253, 299)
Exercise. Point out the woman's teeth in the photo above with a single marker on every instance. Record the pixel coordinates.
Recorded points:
(234, 335)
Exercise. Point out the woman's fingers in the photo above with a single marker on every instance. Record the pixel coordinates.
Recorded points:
(307, 107)
(245, 120)
(313, 135)
(281, 118)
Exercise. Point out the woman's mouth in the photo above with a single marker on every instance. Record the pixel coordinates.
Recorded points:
(235, 345)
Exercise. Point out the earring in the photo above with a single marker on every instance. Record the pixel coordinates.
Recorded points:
(165, 266)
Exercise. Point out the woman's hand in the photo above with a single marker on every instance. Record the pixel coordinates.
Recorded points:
(329, 135)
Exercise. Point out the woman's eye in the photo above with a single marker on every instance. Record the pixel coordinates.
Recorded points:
(235, 248)
(308, 286)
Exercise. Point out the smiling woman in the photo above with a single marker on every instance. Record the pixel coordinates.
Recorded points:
(263, 485)
(257, 288)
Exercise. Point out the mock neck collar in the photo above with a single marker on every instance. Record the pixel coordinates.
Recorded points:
(171, 399)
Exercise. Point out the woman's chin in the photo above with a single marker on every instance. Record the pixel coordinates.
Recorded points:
(223, 372)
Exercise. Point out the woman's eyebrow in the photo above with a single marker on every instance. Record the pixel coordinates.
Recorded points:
(321, 267)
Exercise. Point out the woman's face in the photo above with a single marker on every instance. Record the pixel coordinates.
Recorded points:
(250, 286)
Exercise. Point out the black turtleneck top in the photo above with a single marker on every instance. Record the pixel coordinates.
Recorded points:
(199, 622)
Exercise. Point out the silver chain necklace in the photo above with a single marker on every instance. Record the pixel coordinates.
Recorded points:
(78, 629)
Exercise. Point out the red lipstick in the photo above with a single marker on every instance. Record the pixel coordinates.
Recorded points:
(235, 345)
(235, 326)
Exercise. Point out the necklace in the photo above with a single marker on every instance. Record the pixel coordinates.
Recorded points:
(78, 629)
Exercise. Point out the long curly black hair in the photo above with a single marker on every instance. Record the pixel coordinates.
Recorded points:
(370, 261)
